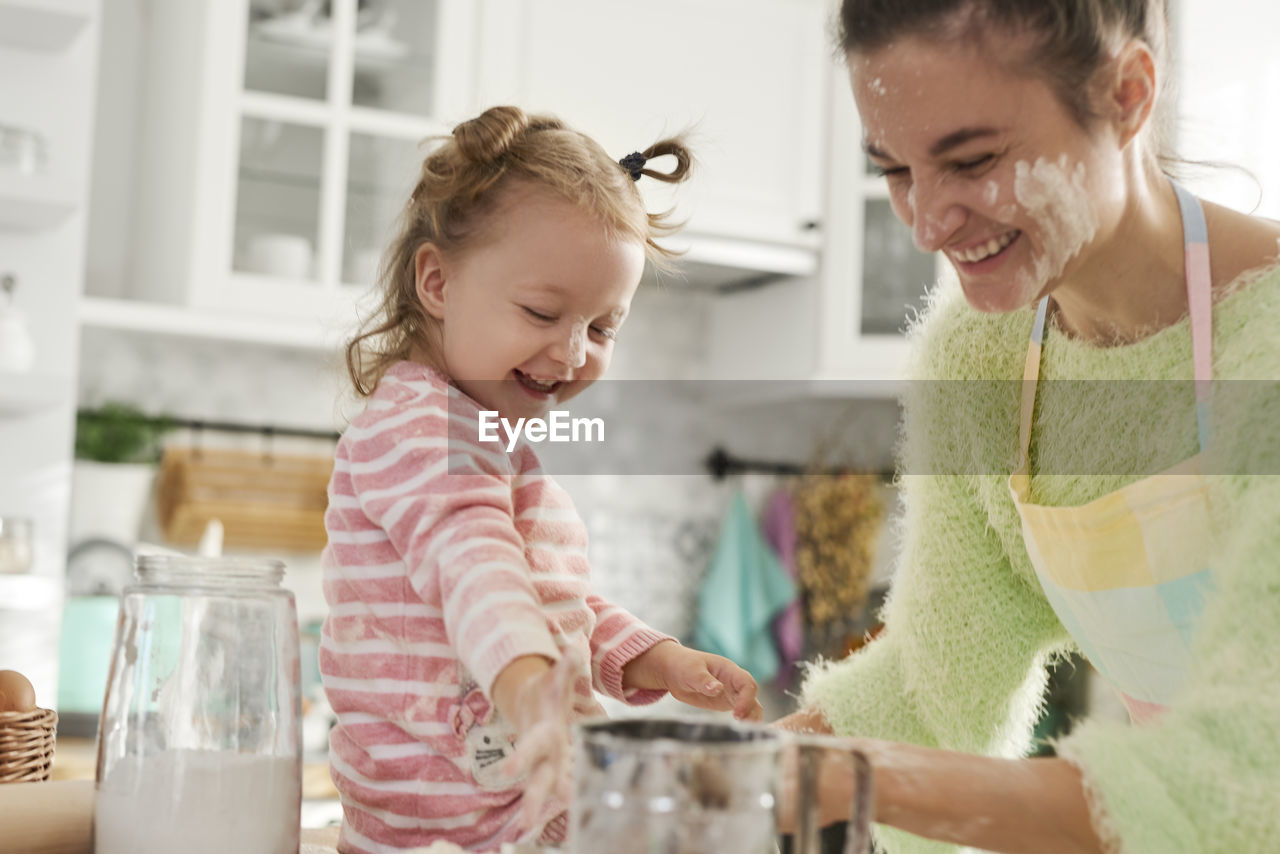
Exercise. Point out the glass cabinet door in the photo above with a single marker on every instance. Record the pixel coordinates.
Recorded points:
(288, 48)
(336, 98)
(278, 199)
(393, 61)
(895, 275)
(381, 173)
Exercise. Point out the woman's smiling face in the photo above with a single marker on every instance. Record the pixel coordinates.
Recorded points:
(986, 165)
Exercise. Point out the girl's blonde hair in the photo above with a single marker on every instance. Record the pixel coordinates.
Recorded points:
(462, 183)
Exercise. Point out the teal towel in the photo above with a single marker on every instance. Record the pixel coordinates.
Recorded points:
(744, 588)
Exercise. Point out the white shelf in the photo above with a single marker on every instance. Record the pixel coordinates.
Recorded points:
(44, 25)
(179, 321)
(33, 202)
(399, 125)
(28, 394)
(268, 106)
(874, 187)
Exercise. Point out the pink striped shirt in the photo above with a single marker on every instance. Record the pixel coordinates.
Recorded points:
(447, 559)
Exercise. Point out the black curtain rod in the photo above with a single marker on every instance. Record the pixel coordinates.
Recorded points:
(720, 464)
(199, 424)
(266, 430)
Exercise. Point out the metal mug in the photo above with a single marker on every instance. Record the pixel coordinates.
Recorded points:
(671, 786)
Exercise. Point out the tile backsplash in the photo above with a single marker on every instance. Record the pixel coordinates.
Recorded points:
(651, 535)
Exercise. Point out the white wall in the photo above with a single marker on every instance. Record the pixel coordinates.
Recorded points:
(1229, 81)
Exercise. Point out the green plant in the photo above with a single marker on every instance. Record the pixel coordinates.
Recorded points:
(119, 433)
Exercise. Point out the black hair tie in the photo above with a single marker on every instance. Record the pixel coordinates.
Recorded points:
(633, 163)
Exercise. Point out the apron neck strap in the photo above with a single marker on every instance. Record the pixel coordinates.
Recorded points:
(1195, 239)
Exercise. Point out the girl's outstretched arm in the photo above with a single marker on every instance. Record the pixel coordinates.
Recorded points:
(701, 679)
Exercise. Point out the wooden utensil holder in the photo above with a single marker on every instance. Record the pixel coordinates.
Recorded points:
(262, 500)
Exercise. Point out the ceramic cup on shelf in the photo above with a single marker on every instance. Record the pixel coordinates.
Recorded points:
(17, 348)
(21, 150)
(15, 545)
(285, 255)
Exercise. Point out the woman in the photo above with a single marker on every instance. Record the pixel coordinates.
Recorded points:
(1131, 517)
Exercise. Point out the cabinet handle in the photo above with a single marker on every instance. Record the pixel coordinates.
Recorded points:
(810, 225)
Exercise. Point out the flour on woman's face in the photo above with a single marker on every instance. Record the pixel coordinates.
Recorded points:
(986, 165)
(1055, 198)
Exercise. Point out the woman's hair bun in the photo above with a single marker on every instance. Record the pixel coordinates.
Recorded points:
(491, 134)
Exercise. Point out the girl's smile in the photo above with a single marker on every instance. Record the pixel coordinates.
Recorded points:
(528, 318)
(539, 389)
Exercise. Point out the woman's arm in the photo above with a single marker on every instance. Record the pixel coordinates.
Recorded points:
(1006, 805)
(1036, 806)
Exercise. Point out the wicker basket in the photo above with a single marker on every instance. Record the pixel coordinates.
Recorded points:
(26, 745)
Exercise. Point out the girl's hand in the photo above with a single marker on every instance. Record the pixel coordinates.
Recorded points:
(699, 679)
(538, 698)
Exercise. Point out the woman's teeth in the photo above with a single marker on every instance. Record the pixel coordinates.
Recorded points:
(983, 251)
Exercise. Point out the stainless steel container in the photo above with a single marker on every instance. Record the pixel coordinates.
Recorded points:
(667, 786)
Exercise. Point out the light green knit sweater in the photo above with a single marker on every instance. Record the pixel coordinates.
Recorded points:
(969, 632)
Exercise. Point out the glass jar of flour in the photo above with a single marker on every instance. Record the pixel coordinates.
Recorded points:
(200, 745)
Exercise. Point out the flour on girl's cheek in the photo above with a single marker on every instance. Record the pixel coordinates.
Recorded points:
(1056, 200)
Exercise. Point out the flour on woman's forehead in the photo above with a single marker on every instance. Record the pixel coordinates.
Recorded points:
(1055, 197)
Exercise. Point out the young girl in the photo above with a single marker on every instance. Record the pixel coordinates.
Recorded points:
(1085, 494)
(462, 622)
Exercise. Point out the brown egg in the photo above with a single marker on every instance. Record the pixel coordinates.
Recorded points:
(16, 693)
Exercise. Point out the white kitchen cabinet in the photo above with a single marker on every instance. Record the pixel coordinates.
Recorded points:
(750, 83)
(276, 148)
(840, 332)
(48, 56)
(43, 25)
(22, 395)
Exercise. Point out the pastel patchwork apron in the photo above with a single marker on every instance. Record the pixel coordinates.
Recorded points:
(1128, 573)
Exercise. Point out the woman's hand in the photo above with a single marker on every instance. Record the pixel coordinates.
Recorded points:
(834, 788)
(807, 721)
(699, 679)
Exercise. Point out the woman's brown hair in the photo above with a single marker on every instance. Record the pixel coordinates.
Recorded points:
(461, 184)
(1071, 40)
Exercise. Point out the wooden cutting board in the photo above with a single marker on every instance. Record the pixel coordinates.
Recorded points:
(47, 818)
